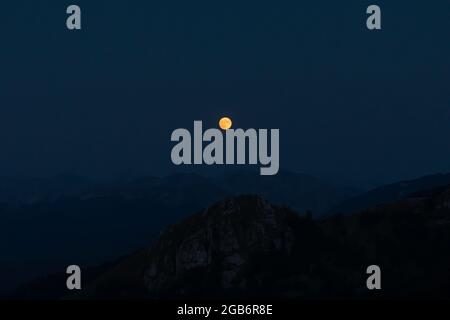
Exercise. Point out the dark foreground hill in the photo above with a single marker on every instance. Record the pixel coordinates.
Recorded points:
(69, 219)
(246, 247)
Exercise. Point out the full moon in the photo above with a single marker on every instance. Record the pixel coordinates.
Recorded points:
(225, 123)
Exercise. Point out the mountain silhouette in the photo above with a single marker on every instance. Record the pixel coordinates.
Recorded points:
(19, 191)
(246, 247)
(90, 222)
(300, 192)
(390, 193)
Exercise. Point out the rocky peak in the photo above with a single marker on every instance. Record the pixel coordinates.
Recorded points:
(215, 245)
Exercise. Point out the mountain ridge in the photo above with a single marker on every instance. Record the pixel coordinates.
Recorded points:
(391, 192)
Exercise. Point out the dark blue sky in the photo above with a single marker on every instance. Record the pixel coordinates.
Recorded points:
(351, 104)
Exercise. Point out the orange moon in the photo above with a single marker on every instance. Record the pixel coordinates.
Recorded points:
(225, 123)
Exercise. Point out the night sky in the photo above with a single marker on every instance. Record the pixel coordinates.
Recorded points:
(351, 104)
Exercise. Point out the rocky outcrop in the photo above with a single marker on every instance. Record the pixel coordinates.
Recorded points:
(218, 243)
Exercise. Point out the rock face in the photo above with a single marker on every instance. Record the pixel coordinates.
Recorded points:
(212, 248)
(246, 246)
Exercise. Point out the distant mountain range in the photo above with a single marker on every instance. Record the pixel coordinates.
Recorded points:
(391, 193)
(20, 191)
(300, 191)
